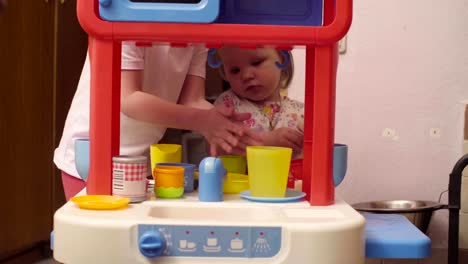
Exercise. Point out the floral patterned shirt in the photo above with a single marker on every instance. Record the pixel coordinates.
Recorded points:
(266, 116)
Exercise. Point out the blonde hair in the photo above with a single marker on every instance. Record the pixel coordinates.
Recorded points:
(286, 74)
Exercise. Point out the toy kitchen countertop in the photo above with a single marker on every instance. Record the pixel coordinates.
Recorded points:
(234, 229)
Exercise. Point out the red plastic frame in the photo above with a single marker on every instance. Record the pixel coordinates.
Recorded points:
(321, 65)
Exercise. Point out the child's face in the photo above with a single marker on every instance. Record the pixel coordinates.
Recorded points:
(251, 73)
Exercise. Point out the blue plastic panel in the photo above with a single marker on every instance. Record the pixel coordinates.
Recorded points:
(394, 236)
(188, 11)
(271, 12)
(217, 241)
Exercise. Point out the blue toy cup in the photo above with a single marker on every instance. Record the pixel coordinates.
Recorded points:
(211, 179)
(82, 157)
(189, 170)
(340, 162)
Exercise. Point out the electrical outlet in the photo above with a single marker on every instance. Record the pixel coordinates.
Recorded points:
(388, 132)
(434, 132)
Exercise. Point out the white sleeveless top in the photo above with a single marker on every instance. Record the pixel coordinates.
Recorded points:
(165, 69)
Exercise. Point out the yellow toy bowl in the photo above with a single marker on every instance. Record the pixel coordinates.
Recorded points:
(235, 183)
(234, 163)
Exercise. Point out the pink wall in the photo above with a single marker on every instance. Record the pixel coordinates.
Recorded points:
(404, 74)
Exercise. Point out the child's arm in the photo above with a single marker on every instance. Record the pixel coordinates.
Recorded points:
(284, 137)
(142, 106)
(193, 95)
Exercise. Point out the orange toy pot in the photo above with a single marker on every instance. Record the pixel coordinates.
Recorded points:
(168, 181)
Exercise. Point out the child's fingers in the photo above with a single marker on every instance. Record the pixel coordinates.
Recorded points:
(230, 139)
(298, 138)
(235, 129)
(213, 150)
(241, 146)
(238, 151)
(248, 141)
(232, 115)
(240, 116)
(228, 124)
(255, 136)
(295, 139)
(233, 120)
(225, 111)
(251, 138)
(222, 144)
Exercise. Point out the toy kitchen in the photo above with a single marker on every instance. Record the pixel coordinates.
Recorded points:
(310, 225)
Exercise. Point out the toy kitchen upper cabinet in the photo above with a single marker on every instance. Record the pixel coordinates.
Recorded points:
(269, 12)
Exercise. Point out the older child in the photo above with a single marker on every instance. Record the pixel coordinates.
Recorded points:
(161, 87)
(256, 83)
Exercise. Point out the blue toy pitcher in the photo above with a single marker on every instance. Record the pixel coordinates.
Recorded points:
(210, 180)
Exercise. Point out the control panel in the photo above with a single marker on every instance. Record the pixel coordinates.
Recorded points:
(209, 241)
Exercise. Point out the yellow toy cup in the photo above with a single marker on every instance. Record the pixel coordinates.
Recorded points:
(168, 181)
(234, 163)
(163, 153)
(268, 170)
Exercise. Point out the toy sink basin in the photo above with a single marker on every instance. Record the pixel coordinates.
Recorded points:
(233, 210)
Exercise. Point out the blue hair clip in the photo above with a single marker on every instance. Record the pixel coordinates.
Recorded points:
(286, 58)
(215, 65)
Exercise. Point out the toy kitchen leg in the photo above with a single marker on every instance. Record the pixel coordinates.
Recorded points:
(104, 131)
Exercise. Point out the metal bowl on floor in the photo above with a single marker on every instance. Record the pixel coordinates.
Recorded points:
(418, 212)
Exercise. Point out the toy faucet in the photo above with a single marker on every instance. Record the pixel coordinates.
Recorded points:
(210, 180)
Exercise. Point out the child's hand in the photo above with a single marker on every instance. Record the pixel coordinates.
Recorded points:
(223, 129)
(284, 137)
(250, 138)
